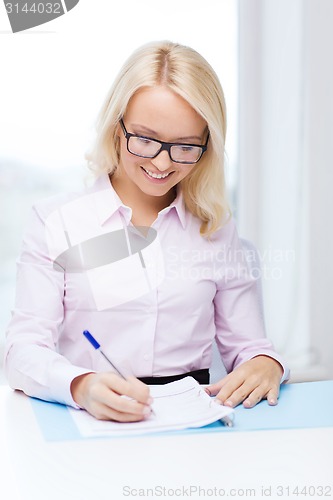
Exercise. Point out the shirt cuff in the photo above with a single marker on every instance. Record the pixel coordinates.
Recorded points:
(60, 383)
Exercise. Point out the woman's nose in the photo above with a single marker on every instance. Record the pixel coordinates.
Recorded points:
(162, 161)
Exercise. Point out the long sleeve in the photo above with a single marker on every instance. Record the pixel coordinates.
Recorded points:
(32, 362)
(240, 332)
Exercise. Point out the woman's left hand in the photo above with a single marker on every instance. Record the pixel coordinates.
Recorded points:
(256, 379)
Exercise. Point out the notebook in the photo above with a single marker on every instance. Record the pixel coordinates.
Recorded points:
(178, 405)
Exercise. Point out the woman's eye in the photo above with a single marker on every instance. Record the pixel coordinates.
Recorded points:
(143, 140)
(186, 149)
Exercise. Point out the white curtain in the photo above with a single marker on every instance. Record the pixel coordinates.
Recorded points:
(284, 201)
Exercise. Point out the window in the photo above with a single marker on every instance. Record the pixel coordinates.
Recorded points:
(53, 84)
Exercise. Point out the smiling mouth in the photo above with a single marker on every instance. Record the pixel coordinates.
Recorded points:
(156, 176)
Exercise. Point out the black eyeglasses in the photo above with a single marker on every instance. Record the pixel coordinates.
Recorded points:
(145, 147)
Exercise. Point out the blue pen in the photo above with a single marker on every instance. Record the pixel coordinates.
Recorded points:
(97, 346)
(227, 421)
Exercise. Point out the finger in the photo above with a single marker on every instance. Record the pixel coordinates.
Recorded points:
(242, 392)
(273, 395)
(233, 391)
(104, 412)
(254, 397)
(131, 387)
(125, 404)
(138, 391)
(108, 392)
(233, 398)
(122, 403)
(214, 389)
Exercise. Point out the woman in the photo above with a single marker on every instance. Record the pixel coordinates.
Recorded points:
(164, 273)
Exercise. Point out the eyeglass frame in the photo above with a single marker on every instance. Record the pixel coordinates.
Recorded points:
(165, 146)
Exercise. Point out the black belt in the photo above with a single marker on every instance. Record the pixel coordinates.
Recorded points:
(201, 376)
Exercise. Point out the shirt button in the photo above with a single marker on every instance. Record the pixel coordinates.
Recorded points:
(146, 357)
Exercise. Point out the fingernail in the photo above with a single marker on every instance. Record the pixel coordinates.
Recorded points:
(218, 401)
(208, 391)
(147, 410)
(272, 401)
(228, 403)
(150, 401)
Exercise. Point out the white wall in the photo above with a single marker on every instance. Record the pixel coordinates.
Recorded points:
(284, 204)
(318, 152)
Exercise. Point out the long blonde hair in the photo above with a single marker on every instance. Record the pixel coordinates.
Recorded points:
(188, 74)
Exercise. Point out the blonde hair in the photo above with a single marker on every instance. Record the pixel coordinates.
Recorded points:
(188, 74)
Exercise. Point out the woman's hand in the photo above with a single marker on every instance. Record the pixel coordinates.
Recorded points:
(256, 379)
(107, 396)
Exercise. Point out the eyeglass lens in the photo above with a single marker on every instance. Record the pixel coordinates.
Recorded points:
(148, 148)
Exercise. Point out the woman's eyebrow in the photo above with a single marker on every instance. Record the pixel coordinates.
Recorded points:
(153, 132)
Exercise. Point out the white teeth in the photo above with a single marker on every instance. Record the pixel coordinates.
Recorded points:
(156, 176)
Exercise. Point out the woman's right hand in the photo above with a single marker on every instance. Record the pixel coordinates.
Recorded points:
(107, 396)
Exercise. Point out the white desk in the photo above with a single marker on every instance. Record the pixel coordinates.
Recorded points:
(99, 469)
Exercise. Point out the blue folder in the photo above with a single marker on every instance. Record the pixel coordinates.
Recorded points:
(303, 405)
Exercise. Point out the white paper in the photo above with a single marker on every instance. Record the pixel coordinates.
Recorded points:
(178, 405)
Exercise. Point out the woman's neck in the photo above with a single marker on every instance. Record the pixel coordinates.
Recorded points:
(145, 208)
